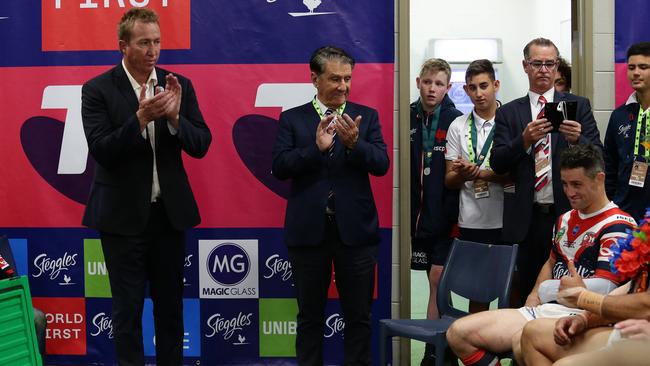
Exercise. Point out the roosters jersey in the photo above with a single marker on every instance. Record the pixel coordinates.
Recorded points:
(587, 239)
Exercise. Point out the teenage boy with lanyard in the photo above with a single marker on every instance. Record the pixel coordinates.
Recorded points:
(469, 141)
(625, 151)
(434, 208)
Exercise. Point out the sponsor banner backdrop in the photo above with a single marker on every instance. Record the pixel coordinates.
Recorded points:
(99, 331)
(66, 324)
(631, 26)
(80, 326)
(248, 61)
(47, 168)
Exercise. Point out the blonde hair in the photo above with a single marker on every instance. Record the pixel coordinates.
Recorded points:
(125, 27)
(436, 65)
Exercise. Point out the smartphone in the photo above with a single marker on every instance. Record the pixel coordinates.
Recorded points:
(556, 112)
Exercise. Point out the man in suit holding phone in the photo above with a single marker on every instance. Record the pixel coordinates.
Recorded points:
(138, 118)
(525, 149)
(328, 147)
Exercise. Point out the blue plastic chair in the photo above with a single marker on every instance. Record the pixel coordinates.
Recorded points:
(478, 272)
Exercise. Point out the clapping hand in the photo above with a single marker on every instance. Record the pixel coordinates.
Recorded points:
(348, 130)
(324, 133)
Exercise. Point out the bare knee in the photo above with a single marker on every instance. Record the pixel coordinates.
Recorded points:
(457, 335)
(537, 338)
(454, 332)
(535, 331)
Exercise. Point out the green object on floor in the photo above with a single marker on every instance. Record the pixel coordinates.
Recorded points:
(18, 345)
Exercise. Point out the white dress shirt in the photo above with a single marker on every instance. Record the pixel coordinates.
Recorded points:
(474, 213)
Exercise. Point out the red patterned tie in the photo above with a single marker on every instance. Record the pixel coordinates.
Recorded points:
(541, 150)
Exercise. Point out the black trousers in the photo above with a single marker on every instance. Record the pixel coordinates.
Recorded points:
(155, 257)
(485, 236)
(354, 268)
(536, 248)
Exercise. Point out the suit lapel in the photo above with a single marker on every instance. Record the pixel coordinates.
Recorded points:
(160, 74)
(161, 124)
(311, 117)
(125, 88)
(350, 110)
(525, 116)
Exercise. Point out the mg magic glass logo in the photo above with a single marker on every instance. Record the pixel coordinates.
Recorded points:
(229, 268)
(228, 264)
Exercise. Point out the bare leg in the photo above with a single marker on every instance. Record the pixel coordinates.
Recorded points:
(536, 337)
(488, 330)
(624, 353)
(516, 348)
(434, 280)
(539, 348)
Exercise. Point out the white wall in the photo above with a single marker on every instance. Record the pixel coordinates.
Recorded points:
(500, 19)
(604, 94)
(515, 22)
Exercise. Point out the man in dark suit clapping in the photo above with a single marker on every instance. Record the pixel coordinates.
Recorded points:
(525, 148)
(138, 119)
(328, 147)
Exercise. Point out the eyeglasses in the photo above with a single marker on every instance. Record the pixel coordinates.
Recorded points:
(550, 65)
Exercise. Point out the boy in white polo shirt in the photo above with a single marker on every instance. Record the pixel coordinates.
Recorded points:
(469, 141)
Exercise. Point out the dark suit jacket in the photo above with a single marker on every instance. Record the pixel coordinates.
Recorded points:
(313, 173)
(509, 156)
(120, 197)
(619, 159)
(434, 203)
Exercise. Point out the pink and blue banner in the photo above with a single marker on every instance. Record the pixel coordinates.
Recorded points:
(248, 62)
(631, 26)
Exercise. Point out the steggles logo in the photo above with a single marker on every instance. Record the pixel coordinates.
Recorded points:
(188, 263)
(334, 324)
(54, 266)
(227, 327)
(278, 266)
(102, 323)
(311, 6)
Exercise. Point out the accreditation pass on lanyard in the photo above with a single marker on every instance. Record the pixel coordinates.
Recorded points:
(481, 187)
(640, 168)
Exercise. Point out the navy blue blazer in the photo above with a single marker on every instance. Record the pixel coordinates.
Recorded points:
(508, 156)
(313, 173)
(619, 158)
(434, 203)
(120, 196)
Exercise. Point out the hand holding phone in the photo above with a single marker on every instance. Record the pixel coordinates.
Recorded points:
(556, 112)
